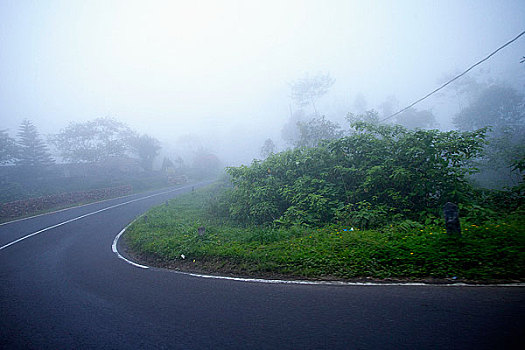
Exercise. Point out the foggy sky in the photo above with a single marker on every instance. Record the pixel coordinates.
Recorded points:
(220, 70)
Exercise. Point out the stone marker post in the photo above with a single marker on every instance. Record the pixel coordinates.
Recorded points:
(451, 213)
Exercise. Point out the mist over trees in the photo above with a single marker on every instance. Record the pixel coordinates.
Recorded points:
(315, 130)
(415, 119)
(307, 90)
(32, 152)
(102, 139)
(267, 148)
(92, 141)
(290, 130)
(103, 152)
(113, 150)
(501, 109)
(480, 103)
(7, 148)
(370, 117)
(499, 106)
(360, 105)
(146, 148)
(306, 128)
(389, 106)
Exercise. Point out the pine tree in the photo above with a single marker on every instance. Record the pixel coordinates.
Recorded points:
(32, 151)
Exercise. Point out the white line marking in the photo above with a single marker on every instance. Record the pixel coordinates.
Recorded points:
(342, 283)
(115, 250)
(89, 214)
(302, 282)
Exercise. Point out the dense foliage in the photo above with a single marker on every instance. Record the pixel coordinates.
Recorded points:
(376, 174)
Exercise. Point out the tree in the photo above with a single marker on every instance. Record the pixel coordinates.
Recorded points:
(307, 90)
(267, 148)
(290, 131)
(93, 141)
(146, 148)
(7, 148)
(502, 109)
(466, 89)
(32, 151)
(312, 132)
(389, 106)
(369, 117)
(167, 165)
(414, 119)
(497, 106)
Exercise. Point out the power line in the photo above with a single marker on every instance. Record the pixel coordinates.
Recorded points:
(455, 78)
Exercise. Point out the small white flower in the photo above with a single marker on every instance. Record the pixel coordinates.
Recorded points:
(183, 256)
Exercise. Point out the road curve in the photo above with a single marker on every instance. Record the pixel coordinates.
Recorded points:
(64, 288)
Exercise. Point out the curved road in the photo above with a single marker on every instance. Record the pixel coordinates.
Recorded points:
(64, 288)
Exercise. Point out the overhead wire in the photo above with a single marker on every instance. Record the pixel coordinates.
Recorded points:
(455, 78)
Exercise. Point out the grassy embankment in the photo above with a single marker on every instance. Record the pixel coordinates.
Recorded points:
(488, 252)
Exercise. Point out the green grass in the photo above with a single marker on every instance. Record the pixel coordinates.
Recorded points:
(489, 252)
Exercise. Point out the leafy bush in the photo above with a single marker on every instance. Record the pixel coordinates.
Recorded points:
(376, 174)
(362, 215)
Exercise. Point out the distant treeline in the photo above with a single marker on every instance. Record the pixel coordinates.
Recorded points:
(94, 141)
(100, 153)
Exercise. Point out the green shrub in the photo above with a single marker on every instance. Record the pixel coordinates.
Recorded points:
(377, 174)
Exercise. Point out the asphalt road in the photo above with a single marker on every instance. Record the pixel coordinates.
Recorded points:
(64, 288)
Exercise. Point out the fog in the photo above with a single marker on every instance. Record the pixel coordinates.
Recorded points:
(218, 73)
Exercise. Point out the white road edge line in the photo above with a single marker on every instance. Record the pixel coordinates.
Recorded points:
(302, 282)
(115, 250)
(88, 214)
